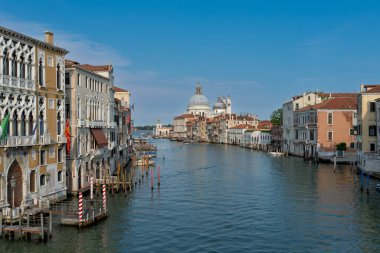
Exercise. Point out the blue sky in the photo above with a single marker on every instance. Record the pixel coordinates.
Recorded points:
(259, 52)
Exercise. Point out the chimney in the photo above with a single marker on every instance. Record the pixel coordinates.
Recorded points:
(362, 89)
(49, 37)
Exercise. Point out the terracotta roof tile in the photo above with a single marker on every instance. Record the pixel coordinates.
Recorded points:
(96, 68)
(338, 103)
(117, 89)
(372, 89)
(243, 126)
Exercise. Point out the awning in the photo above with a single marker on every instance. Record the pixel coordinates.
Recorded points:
(100, 138)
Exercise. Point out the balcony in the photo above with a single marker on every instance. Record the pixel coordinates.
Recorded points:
(80, 122)
(112, 125)
(16, 82)
(13, 141)
(45, 139)
(61, 139)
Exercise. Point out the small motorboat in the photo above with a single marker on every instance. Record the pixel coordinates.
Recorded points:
(276, 154)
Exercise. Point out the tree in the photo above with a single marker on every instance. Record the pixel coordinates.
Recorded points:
(276, 117)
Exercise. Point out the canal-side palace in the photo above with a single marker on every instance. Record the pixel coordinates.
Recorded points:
(62, 122)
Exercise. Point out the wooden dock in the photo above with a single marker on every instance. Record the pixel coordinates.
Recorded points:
(85, 223)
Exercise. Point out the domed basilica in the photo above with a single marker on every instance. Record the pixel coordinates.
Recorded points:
(198, 104)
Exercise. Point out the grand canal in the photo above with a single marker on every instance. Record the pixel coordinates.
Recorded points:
(218, 198)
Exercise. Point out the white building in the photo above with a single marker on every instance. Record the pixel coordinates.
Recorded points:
(222, 105)
(257, 139)
(235, 134)
(198, 103)
(90, 101)
(162, 131)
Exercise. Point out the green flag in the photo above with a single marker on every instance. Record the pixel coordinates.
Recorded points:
(4, 127)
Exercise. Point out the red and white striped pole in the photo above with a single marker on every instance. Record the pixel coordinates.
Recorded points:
(92, 188)
(104, 198)
(158, 175)
(80, 207)
(151, 179)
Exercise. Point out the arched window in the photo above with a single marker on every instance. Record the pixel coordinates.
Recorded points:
(29, 68)
(14, 64)
(23, 124)
(58, 76)
(59, 126)
(330, 118)
(22, 66)
(31, 124)
(14, 124)
(5, 62)
(41, 120)
(40, 72)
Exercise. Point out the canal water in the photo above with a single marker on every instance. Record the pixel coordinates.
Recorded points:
(219, 198)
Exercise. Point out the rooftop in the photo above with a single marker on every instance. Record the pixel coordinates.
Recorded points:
(338, 103)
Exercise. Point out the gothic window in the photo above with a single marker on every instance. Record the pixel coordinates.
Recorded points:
(5, 62)
(29, 69)
(22, 66)
(40, 73)
(59, 127)
(31, 124)
(23, 124)
(14, 64)
(58, 76)
(41, 120)
(14, 125)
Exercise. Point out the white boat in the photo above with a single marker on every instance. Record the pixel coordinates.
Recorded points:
(276, 154)
(143, 163)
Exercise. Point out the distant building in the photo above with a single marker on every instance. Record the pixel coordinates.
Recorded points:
(319, 128)
(198, 103)
(235, 134)
(162, 131)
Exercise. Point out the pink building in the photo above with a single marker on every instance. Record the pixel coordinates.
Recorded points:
(319, 128)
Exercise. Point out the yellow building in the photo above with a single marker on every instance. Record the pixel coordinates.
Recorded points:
(368, 158)
(32, 93)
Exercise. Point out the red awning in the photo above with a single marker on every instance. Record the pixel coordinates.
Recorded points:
(100, 138)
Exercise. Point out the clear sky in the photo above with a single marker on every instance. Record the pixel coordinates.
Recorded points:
(259, 52)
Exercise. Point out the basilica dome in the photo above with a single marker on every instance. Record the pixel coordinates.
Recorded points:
(198, 103)
(219, 104)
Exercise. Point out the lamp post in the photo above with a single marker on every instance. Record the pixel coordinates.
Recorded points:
(13, 185)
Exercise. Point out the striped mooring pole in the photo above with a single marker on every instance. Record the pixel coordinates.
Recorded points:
(80, 207)
(92, 188)
(104, 199)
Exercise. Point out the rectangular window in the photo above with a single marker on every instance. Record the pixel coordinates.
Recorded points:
(352, 132)
(42, 157)
(60, 155)
(352, 145)
(87, 82)
(329, 118)
(59, 176)
(372, 130)
(297, 106)
(42, 180)
(67, 78)
(372, 106)
(372, 147)
(32, 181)
(330, 136)
(51, 103)
(51, 152)
(78, 79)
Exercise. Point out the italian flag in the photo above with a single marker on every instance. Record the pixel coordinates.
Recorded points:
(4, 127)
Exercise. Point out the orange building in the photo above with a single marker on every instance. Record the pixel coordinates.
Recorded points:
(320, 127)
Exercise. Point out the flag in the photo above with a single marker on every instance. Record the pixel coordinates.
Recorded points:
(133, 107)
(4, 127)
(67, 134)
